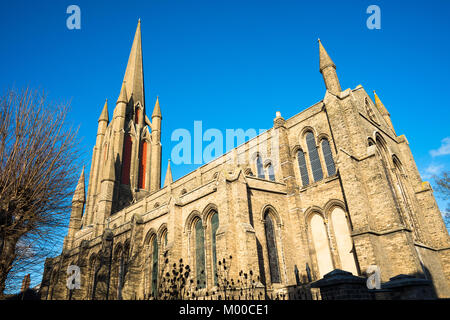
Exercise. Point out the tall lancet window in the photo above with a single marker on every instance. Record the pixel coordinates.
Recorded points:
(143, 164)
(302, 167)
(126, 160)
(272, 249)
(136, 115)
(154, 245)
(200, 254)
(344, 242)
(214, 227)
(314, 159)
(321, 245)
(271, 172)
(328, 156)
(404, 199)
(123, 270)
(260, 168)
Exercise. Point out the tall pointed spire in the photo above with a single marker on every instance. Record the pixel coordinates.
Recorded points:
(157, 109)
(80, 193)
(104, 116)
(134, 74)
(328, 70)
(168, 180)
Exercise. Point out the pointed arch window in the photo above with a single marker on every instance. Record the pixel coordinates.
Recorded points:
(272, 249)
(249, 172)
(115, 271)
(214, 227)
(344, 241)
(314, 159)
(328, 156)
(260, 168)
(92, 277)
(321, 246)
(126, 160)
(154, 246)
(200, 254)
(123, 269)
(164, 239)
(404, 198)
(143, 164)
(382, 154)
(120, 278)
(270, 172)
(302, 167)
(136, 114)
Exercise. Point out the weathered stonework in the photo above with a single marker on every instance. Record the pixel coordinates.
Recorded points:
(369, 207)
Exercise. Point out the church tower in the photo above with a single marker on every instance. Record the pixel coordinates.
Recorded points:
(126, 160)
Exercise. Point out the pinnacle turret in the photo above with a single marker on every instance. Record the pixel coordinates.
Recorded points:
(104, 116)
(80, 193)
(380, 105)
(168, 180)
(328, 70)
(157, 109)
(325, 60)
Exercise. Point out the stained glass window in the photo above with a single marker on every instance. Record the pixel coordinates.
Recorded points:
(154, 267)
(214, 227)
(272, 250)
(328, 156)
(314, 159)
(200, 255)
(259, 167)
(302, 166)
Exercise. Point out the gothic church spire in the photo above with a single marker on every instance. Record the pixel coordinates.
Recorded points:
(134, 74)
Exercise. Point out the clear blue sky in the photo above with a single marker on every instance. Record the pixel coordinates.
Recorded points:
(250, 58)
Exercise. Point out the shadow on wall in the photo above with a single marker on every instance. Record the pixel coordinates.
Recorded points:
(342, 285)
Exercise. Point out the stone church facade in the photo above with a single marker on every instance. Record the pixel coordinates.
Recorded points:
(333, 187)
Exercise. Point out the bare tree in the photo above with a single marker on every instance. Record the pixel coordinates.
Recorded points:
(39, 164)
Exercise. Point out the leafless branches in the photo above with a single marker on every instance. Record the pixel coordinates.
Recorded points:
(38, 171)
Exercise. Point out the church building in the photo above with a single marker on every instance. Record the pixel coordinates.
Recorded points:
(333, 187)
